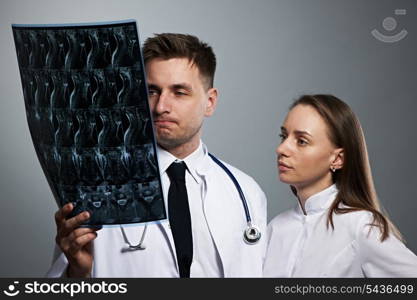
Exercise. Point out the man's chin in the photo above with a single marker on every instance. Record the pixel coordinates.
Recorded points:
(167, 142)
(163, 135)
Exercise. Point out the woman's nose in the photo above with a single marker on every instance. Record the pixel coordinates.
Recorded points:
(282, 149)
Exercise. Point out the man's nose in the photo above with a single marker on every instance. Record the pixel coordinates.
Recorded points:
(162, 104)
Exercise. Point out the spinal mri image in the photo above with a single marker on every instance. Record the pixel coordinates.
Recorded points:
(88, 115)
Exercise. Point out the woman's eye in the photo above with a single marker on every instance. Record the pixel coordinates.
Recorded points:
(302, 142)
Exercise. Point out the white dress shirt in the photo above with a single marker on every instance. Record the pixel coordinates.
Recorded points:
(303, 246)
(206, 260)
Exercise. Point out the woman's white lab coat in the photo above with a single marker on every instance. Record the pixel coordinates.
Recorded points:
(302, 245)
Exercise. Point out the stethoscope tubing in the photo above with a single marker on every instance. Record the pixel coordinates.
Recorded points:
(237, 185)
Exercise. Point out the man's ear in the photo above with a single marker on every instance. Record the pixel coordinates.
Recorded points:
(212, 102)
(339, 159)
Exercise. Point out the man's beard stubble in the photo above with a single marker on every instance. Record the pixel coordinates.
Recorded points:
(168, 142)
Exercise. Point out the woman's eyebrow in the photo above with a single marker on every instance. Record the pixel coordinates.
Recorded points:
(297, 132)
(301, 132)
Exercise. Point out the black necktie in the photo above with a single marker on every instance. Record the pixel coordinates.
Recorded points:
(179, 217)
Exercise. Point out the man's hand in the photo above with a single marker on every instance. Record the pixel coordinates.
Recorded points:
(75, 242)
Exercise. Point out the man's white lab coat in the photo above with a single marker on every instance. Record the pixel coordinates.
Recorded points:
(225, 217)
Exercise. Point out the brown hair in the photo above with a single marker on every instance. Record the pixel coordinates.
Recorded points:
(354, 180)
(175, 45)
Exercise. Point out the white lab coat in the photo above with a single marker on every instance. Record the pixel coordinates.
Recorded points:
(226, 220)
(302, 246)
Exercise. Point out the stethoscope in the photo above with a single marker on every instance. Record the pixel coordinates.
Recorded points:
(251, 235)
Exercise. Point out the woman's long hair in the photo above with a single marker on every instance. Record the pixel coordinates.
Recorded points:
(354, 180)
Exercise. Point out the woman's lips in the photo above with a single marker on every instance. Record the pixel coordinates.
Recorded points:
(283, 167)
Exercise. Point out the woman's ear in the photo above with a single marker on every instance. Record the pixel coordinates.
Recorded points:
(339, 159)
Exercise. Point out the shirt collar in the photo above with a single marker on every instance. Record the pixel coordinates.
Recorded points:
(192, 161)
(319, 201)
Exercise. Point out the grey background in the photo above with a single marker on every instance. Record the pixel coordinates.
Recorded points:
(269, 52)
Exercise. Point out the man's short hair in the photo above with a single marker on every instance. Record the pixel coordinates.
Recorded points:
(175, 45)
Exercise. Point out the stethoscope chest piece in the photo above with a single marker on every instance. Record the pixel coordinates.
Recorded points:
(251, 235)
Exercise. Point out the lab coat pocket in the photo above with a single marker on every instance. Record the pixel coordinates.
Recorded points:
(344, 264)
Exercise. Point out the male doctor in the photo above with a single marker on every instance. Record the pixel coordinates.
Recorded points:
(204, 235)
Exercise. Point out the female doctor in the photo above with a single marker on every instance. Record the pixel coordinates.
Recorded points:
(337, 228)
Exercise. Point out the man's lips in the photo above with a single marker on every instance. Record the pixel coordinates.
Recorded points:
(162, 122)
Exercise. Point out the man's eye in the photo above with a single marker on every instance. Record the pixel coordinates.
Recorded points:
(282, 137)
(152, 92)
(180, 93)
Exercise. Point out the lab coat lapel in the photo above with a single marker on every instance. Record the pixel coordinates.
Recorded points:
(165, 228)
(220, 206)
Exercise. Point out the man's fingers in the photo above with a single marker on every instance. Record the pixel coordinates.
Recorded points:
(80, 242)
(74, 222)
(80, 232)
(63, 212)
(66, 242)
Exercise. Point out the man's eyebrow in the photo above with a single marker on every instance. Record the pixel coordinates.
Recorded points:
(184, 86)
(154, 87)
(283, 129)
